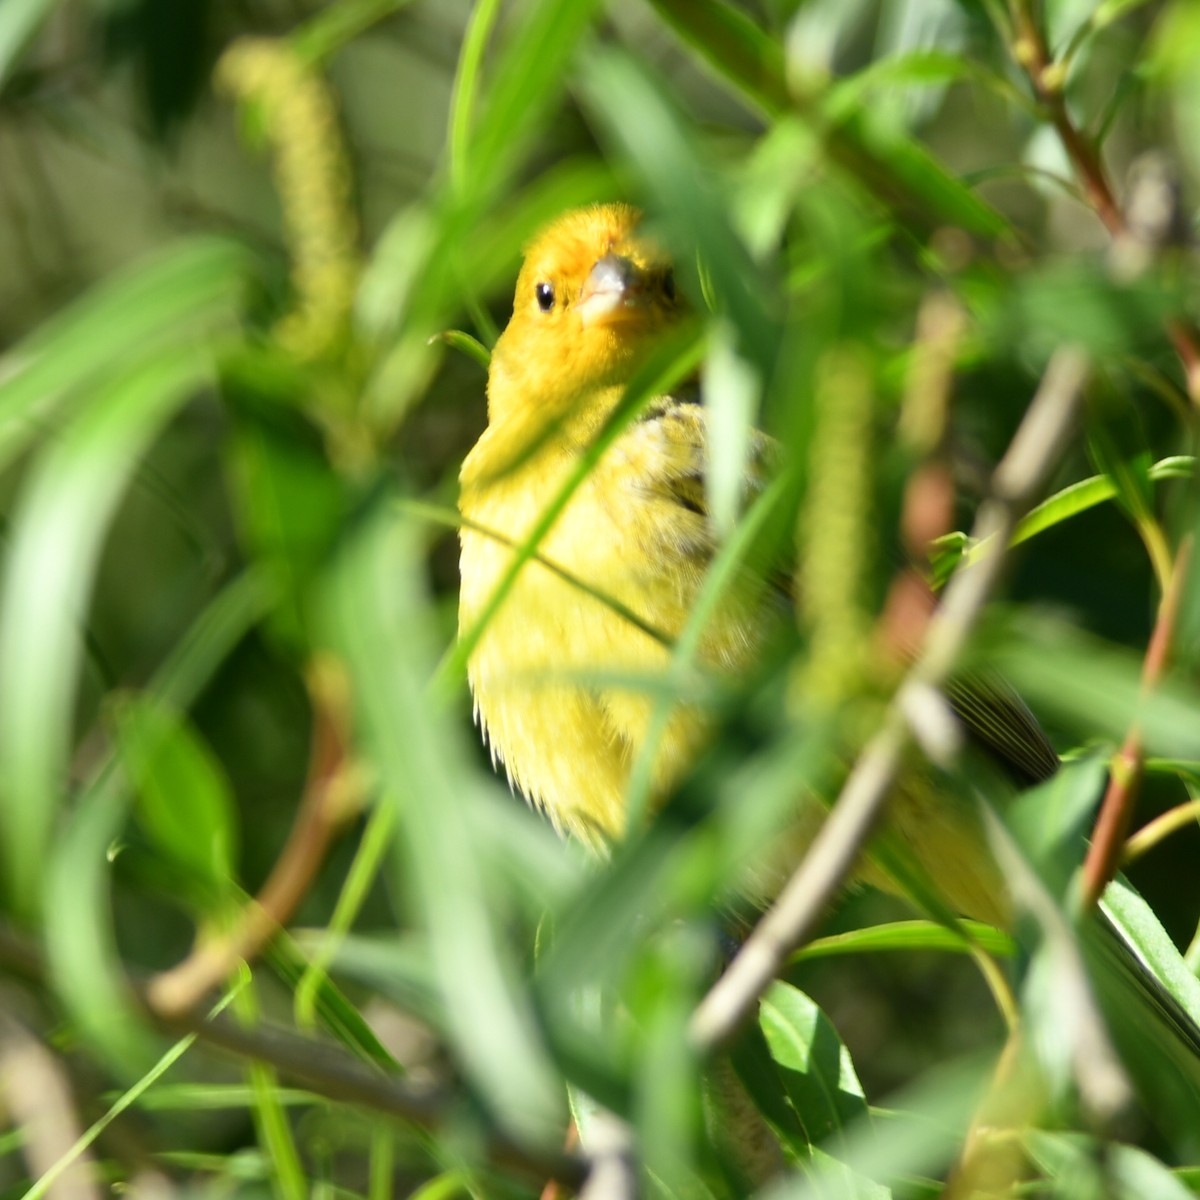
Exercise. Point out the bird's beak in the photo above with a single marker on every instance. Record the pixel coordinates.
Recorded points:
(613, 293)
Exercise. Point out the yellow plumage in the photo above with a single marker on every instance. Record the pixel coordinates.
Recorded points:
(631, 531)
(554, 675)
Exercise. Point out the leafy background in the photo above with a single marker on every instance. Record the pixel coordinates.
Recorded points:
(237, 239)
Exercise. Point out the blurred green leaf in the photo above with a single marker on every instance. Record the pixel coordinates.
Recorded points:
(80, 943)
(1051, 820)
(331, 28)
(526, 74)
(1081, 302)
(1083, 1166)
(289, 507)
(85, 967)
(185, 801)
(637, 117)
(19, 22)
(185, 293)
(731, 396)
(737, 48)
(926, 67)
(378, 615)
(58, 531)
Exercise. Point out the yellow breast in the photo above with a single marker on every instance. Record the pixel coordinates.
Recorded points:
(559, 674)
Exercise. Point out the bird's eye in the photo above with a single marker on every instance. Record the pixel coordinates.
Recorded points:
(545, 296)
(668, 284)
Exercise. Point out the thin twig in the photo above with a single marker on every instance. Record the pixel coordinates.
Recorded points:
(1116, 810)
(36, 1095)
(322, 1067)
(1153, 832)
(323, 809)
(1048, 79)
(1019, 478)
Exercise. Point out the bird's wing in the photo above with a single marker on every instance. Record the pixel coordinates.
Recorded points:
(992, 712)
(996, 716)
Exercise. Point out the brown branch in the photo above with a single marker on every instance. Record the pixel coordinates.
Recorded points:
(36, 1095)
(328, 795)
(1048, 79)
(1116, 810)
(1018, 480)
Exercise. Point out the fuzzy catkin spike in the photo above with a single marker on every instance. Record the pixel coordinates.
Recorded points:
(835, 529)
(312, 176)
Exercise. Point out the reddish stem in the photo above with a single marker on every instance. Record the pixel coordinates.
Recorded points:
(1116, 810)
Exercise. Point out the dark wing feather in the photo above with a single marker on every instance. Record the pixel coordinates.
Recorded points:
(999, 719)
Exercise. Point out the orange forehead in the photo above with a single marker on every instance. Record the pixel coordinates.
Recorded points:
(569, 247)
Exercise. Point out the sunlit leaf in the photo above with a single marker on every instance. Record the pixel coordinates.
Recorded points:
(57, 540)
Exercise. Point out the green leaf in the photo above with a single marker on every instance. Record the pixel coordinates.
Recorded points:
(379, 617)
(1123, 458)
(334, 1011)
(61, 520)
(815, 1065)
(464, 343)
(732, 391)
(641, 121)
(20, 21)
(1085, 1166)
(734, 46)
(908, 936)
(527, 73)
(80, 944)
(1081, 302)
(185, 800)
(325, 33)
(1051, 820)
(927, 67)
(289, 506)
(1139, 926)
(185, 293)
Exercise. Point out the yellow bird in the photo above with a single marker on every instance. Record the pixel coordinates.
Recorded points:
(554, 675)
(591, 302)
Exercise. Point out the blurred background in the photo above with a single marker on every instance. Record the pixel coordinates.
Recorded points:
(143, 136)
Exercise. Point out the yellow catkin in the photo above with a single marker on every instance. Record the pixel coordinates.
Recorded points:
(835, 530)
(312, 176)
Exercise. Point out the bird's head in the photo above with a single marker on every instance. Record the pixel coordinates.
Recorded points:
(592, 298)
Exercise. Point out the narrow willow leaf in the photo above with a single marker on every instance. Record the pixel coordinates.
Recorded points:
(527, 72)
(379, 617)
(734, 46)
(641, 121)
(731, 396)
(186, 801)
(57, 537)
(909, 936)
(1087, 1166)
(80, 944)
(186, 292)
(464, 343)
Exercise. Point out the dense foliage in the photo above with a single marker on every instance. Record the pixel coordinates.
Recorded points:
(271, 921)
